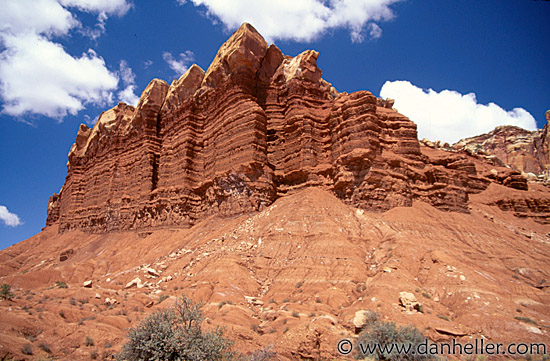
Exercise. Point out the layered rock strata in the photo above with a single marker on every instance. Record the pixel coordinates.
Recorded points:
(522, 150)
(257, 125)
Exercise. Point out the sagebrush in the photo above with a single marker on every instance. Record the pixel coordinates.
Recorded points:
(175, 333)
(384, 341)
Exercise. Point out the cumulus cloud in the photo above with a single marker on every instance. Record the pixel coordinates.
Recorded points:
(47, 17)
(302, 20)
(127, 95)
(109, 7)
(104, 9)
(9, 219)
(449, 115)
(37, 74)
(179, 66)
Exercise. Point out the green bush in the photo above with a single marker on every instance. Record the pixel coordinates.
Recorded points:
(379, 336)
(176, 334)
(61, 284)
(5, 292)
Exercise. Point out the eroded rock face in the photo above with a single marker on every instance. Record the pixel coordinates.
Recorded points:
(523, 150)
(238, 57)
(257, 125)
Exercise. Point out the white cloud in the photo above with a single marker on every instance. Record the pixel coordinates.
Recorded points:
(375, 31)
(179, 66)
(37, 75)
(96, 31)
(9, 219)
(109, 7)
(104, 8)
(302, 20)
(449, 115)
(127, 95)
(35, 16)
(126, 73)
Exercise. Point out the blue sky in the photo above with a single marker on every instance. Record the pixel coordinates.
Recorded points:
(456, 68)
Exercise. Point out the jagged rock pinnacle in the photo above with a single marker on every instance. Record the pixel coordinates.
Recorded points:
(240, 54)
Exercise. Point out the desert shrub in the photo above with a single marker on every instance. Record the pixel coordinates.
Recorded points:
(5, 292)
(27, 349)
(175, 333)
(265, 354)
(61, 284)
(378, 337)
(526, 320)
(44, 346)
(371, 317)
(88, 341)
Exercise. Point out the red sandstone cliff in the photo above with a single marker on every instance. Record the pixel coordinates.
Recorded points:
(522, 150)
(257, 125)
(263, 132)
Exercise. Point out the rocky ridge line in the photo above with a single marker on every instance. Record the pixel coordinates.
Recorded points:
(509, 146)
(257, 125)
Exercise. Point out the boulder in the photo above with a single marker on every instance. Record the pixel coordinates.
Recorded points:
(409, 302)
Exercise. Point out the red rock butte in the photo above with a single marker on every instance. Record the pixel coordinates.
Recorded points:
(289, 209)
(256, 126)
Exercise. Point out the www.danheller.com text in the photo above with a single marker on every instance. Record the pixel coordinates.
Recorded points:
(475, 347)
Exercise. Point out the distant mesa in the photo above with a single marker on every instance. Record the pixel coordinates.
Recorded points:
(522, 150)
(256, 126)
